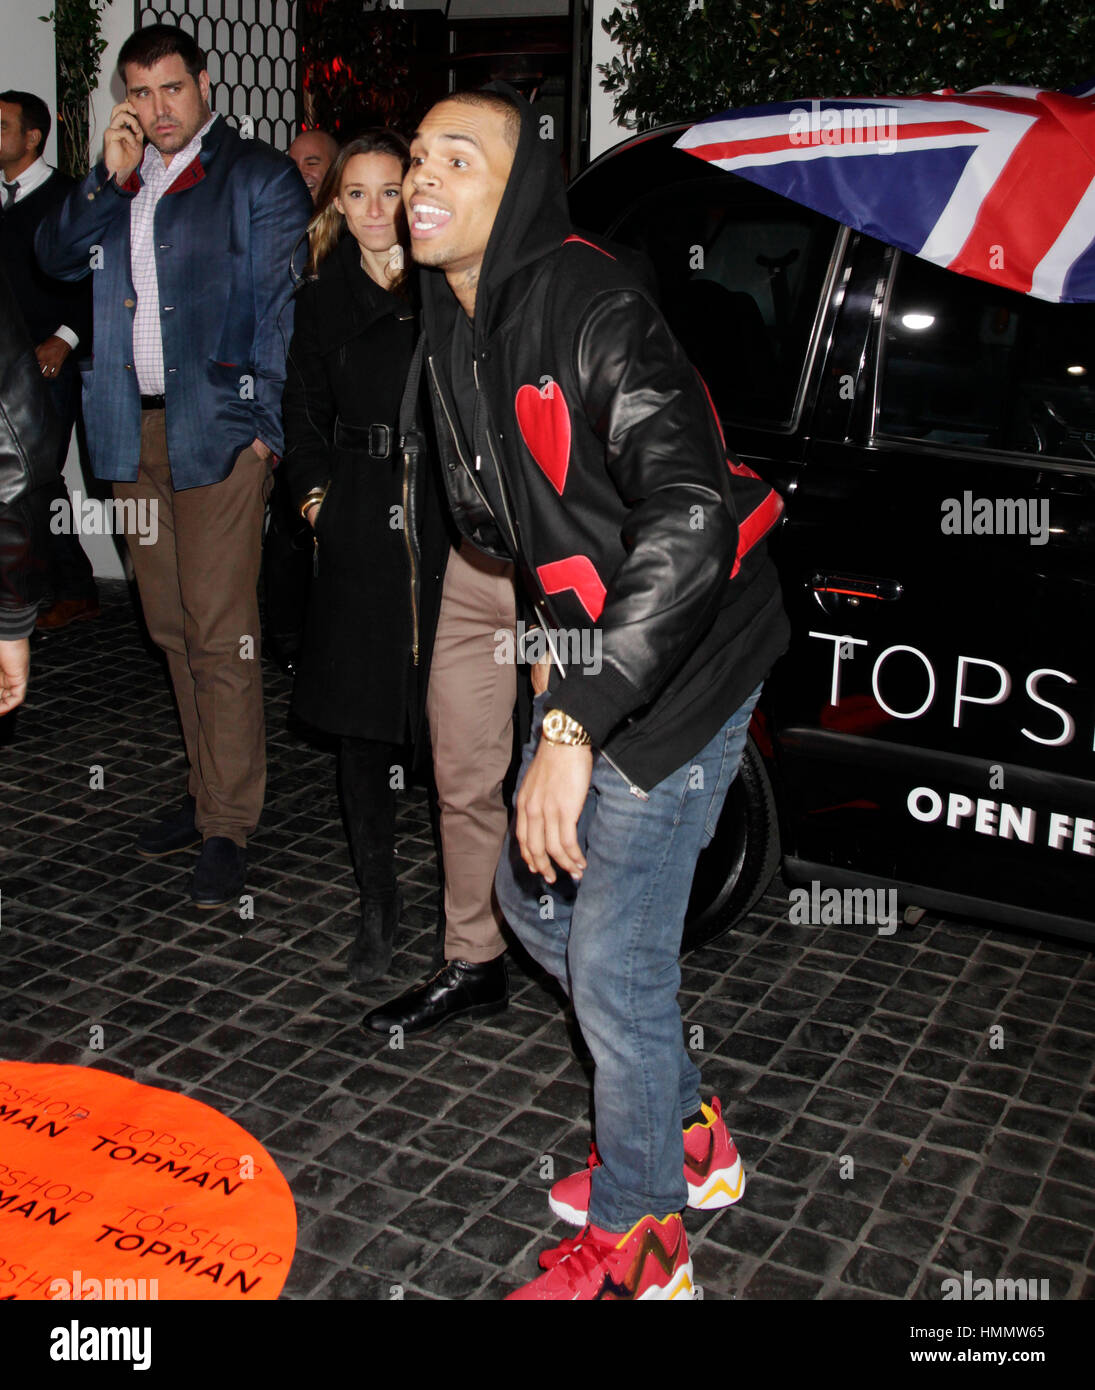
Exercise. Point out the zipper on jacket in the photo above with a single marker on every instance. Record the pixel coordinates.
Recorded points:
(410, 553)
(497, 466)
(456, 443)
(632, 787)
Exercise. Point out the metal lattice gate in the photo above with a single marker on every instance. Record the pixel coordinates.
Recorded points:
(252, 48)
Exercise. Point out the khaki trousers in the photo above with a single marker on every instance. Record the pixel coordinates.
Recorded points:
(199, 592)
(469, 705)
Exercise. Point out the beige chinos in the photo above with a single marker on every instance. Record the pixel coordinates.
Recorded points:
(470, 710)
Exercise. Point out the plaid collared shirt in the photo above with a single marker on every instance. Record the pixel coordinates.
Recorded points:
(156, 179)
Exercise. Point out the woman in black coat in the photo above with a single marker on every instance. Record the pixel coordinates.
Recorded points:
(363, 667)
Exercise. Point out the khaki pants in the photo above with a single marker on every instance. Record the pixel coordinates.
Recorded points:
(199, 592)
(470, 708)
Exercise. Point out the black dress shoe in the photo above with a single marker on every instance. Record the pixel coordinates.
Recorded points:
(220, 873)
(460, 989)
(371, 953)
(170, 833)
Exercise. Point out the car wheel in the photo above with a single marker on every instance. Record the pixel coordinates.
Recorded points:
(742, 858)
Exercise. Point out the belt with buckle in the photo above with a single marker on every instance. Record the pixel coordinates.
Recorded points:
(152, 402)
(375, 440)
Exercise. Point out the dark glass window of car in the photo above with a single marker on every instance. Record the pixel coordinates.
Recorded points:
(740, 275)
(972, 365)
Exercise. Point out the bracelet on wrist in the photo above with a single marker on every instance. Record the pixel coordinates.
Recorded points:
(314, 497)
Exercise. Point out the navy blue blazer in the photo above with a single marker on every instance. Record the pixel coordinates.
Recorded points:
(224, 233)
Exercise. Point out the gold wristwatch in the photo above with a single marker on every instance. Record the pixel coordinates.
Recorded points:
(561, 728)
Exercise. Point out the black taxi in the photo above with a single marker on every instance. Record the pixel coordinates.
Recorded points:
(931, 731)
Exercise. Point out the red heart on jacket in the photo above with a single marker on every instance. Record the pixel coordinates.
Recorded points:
(544, 421)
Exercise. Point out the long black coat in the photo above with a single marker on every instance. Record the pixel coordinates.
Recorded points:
(348, 358)
(30, 432)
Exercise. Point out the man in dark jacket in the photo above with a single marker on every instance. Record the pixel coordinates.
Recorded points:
(29, 431)
(577, 439)
(58, 318)
(189, 237)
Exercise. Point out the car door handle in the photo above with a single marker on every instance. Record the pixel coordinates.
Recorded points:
(855, 587)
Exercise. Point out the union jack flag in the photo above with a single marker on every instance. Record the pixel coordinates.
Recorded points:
(997, 182)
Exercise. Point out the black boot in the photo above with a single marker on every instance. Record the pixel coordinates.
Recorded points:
(371, 953)
(460, 989)
(368, 809)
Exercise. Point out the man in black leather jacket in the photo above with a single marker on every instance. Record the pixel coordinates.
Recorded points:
(576, 439)
(30, 432)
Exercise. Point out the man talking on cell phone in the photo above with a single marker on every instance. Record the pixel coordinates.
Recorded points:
(189, 230)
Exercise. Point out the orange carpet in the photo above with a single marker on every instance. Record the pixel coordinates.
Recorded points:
(109, 1189)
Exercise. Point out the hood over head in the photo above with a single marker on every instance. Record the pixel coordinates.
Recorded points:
(532, 221)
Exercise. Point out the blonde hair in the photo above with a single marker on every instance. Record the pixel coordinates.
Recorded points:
(328, 224)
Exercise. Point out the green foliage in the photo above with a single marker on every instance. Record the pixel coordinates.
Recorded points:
(76, 27)
(682, 61)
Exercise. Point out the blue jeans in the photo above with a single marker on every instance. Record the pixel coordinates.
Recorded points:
(612, 940)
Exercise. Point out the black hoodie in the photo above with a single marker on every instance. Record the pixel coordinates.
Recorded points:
(531, 222)
(601, 470)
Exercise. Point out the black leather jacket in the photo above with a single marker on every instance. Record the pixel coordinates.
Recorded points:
(30, 436)
(595, 437)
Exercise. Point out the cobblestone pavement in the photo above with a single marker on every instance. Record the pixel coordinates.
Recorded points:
(427, 1168)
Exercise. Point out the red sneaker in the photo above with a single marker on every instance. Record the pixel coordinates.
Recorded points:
(650, 1261)
(712, 1167)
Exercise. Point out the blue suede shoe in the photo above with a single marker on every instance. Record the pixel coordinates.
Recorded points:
(220, 874)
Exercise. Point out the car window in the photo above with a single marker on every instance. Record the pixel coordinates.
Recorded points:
(970, 364)
(740, 276)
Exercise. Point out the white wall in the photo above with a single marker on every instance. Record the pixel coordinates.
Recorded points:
(603, 129)
(29, 63)
(117, 26)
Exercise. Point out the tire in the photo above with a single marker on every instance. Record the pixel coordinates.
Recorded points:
(742, 858)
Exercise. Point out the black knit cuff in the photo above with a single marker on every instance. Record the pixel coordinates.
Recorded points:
(597, 702)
